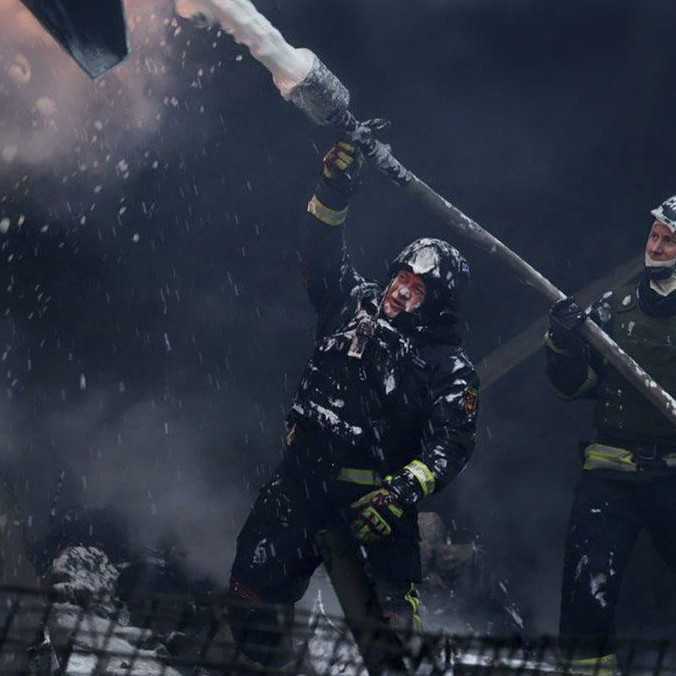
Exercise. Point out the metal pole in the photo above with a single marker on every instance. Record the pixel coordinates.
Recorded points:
(305, 81)
(590, 331)
(463, 226)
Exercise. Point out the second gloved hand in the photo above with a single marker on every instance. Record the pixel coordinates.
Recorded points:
(565, 316)
(377, 514)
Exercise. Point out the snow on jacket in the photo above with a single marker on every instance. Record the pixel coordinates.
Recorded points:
(410, 395)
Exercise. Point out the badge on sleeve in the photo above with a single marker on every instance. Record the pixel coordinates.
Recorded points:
(471, 400)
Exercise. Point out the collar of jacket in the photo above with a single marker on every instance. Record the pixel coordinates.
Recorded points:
(442, 330)
(652, 303)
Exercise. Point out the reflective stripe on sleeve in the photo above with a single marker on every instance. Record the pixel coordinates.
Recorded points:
(588, 384)
(554, 347)
(424, 476)
(324, 214)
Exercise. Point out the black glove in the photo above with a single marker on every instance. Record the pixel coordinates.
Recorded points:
(341, 168)
(565, 317)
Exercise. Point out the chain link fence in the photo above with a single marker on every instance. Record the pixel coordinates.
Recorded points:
(42, 634)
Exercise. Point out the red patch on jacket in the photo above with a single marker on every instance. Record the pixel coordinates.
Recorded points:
(471, 400)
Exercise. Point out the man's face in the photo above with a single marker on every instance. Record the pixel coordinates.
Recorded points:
(661, 244)
(405, 293)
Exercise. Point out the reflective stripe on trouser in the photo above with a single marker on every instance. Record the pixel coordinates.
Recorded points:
(413, 599)
(401, 604)
(605, 665)
(601, 456)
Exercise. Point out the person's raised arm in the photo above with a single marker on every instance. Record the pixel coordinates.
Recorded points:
(328, 273)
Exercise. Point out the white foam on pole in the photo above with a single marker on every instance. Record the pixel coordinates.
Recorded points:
(289, 66)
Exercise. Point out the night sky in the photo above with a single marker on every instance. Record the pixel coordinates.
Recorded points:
(154, 325)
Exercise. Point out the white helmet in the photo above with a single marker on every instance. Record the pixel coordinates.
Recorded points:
(666, 213)
(663, 270)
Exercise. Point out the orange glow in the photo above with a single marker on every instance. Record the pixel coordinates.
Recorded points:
(23, 24)
(54, 104)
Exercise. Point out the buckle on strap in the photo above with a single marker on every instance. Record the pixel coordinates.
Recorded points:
(654, 451)
(655, 456)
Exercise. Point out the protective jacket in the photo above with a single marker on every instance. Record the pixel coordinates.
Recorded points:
(378, 397)
(631, 434)
(386, 392)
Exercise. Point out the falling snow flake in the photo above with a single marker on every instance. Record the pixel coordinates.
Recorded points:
(9, 153)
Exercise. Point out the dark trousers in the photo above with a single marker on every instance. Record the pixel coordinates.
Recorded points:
(277, 555)
(607, 516)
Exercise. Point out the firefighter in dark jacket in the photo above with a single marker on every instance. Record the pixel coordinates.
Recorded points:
(629, 477)
(384, 415)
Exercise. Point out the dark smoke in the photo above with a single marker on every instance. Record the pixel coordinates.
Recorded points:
(154, 325)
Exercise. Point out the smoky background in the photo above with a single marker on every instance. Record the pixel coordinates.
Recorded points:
(153, 321)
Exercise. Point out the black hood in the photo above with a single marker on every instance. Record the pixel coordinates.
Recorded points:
(446, 275)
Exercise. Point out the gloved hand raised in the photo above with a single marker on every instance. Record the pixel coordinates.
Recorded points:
(341, 167)
(565, 317)
(377, 513)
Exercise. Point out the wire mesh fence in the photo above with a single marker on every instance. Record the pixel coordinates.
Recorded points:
(43, 634)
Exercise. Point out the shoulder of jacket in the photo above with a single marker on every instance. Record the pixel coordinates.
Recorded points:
(365, 289)
(449, 360)
(623, 299)
(602, 309)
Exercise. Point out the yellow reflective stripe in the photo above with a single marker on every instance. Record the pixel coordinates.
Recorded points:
(322, 213)
(599, 456)
(411, 597)
(587, 385)
(554, 347)
(363, 477)
(596, 666)
(423, 475)
(589, 382)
